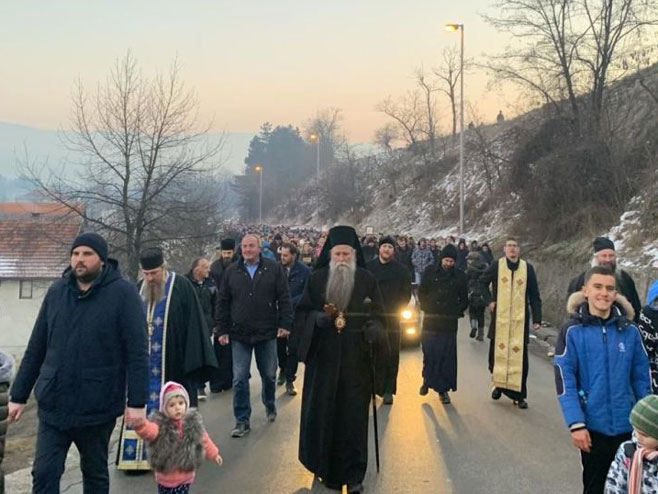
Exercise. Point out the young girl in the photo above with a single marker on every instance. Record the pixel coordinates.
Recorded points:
(635, 467)
(177, 441)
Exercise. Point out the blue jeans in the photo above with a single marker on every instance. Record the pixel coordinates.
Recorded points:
(52, 446)
(266, 358)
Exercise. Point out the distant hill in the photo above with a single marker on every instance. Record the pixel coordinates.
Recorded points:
(46, 144)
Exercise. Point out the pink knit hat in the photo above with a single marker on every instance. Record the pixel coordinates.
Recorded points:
(171, 389)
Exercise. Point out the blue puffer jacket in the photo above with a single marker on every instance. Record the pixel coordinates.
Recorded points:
(601, 368)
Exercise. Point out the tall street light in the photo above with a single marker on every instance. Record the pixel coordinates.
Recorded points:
(460, 28)
(259, 169)
(316, 139)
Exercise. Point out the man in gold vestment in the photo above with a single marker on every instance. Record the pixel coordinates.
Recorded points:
(513, 295)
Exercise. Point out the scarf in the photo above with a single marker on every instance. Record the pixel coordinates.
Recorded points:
(635, 473)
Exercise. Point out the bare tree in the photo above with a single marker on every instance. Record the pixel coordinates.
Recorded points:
(448, 74)
(142, 155)
(326, 124)
(429, 119)
(406, 112)
(568, 48)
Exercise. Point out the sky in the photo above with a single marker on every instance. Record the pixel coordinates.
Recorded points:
(249, 61)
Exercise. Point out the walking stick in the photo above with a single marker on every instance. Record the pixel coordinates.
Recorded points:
(374, 406)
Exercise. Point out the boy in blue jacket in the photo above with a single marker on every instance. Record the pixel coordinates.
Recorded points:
(601, 371)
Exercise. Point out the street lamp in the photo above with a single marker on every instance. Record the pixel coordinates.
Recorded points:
(460, 28)
(316, 139)
(259, 169)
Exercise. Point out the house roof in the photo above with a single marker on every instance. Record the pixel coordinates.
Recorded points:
(34, 248)
(37, 209)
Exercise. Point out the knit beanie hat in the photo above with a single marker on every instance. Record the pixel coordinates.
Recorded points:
(644, 415)
(387, 240)
(171, 389)
(93, 241)
(449, 251)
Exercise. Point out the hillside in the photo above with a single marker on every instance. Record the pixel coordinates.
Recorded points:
(423, 198)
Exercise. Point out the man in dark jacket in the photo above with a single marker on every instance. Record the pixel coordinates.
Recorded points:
(297, 274)
(444, 298)
(475, 268)
(254, 309)
(222, 379)
(6, 372)
(395, 285)
(206, 292)
(403, 254)
(88, 342)
(605, 255)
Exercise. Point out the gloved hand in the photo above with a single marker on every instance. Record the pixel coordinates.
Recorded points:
(323, 320)
(372, 330)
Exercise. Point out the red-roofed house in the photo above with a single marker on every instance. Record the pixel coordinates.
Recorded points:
(34, 251)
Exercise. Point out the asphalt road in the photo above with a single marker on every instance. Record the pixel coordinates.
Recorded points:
(475, 445)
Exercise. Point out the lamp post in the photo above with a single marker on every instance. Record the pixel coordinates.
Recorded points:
(259, 169)
(316, 139)
(460, 28)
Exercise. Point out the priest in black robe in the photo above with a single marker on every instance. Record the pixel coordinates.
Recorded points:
(341, 337)
(394, 281)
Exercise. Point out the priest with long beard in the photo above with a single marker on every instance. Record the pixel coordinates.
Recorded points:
(179, 347)
(341, 335)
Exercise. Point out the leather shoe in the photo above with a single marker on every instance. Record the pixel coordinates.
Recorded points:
(290, 389)
(496, 394)
(445, 398)
(387, 399)
(423, 390)
(355, 488)
(522, 404)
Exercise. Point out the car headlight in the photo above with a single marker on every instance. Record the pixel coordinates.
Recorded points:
(407, 314)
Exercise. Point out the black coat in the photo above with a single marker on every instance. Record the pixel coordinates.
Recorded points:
(217, 269)
(443, 297)
(337, 379)
(83, 349)
(403, 256)
(206, 292)
(252, 310)
(394, 283)
(625, 285)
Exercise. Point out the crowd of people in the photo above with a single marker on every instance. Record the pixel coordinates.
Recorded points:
(103, 347)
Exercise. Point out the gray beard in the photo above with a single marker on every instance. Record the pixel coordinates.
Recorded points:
(153, 293)
(340, 284)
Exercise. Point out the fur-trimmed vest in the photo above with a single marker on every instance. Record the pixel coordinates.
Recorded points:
(171, 452)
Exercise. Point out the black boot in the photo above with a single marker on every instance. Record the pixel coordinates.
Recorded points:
(480, 336)
(474, 328)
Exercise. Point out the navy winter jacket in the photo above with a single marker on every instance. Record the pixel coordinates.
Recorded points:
(297, 278)
(601, 369)
(83, 349)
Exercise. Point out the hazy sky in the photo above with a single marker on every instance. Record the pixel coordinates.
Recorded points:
(250, 61)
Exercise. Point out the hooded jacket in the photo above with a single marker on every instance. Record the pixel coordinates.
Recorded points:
(601, 368)
(83, 349)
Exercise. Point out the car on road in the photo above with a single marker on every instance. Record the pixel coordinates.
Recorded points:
(411, 320)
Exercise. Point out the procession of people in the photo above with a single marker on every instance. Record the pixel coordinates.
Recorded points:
(103, 347)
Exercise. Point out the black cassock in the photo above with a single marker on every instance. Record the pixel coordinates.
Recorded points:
(333, 442)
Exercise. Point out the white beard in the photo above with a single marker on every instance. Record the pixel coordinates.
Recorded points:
(340, 284)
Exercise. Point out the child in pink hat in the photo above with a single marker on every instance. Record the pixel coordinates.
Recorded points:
(177, 441)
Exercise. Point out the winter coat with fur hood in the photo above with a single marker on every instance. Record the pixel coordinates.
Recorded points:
(176, 447)
(601, 368)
